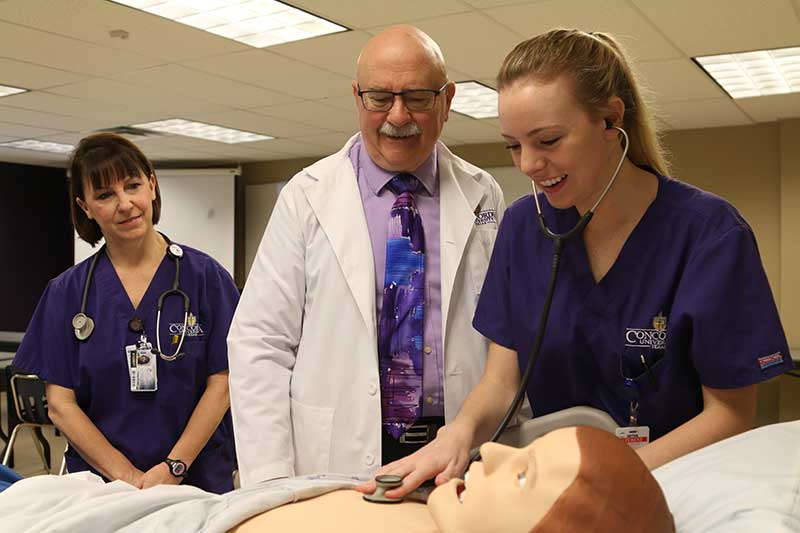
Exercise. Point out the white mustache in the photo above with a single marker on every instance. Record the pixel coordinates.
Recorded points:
(408, 130)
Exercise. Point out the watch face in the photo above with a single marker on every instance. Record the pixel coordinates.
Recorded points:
(178, 468)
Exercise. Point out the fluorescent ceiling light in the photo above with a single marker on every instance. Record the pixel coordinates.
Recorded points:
(475, 100)
(39, 146)
(6, 90)
(200, 130)
(258, 23)
(756, 73)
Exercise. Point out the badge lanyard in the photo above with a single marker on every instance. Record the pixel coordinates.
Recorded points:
(633, 434)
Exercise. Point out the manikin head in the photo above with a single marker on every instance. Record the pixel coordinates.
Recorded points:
(572, 479)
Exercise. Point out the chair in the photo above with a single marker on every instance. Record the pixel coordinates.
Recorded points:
(30, 408)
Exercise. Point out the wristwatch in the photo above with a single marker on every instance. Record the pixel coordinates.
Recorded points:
(177, 467)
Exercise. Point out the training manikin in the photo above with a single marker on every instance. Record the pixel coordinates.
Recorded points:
(572, 479)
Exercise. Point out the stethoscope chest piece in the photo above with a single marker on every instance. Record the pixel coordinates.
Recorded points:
(384, 483)
(83, 326)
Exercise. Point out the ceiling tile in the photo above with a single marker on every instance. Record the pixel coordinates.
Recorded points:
(256, 123)
(314, 114)
(177, 79)
(30, 157)
(127, 95)
(772, 108)
(293, 148)
(30, 76)
(483, 4)
(220, 150)
(18, 131)
(360, 14)
(471, 56)
(73, 137)
(65, 53)
(31, 117)
(710, 113)
(277, 73)
(639, 37)
(677, 79)
(336, 52)
(92, 20)
(700, 28)
(344, 102)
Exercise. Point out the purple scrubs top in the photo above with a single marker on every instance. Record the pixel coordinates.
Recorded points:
(143, 426)
(687, 293)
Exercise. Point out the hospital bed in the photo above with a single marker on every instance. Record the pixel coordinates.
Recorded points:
(750, 482)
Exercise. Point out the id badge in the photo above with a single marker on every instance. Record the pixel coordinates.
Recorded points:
(634, 436)
(142, 368)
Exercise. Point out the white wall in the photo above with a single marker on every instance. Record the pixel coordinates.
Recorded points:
(197, 209)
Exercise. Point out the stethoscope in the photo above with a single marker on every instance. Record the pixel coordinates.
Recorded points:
(83, 325)
(558, 240)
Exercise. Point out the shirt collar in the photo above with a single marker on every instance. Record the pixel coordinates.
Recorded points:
(377, 178)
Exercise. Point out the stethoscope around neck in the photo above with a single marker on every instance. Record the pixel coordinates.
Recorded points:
(558, 240)
(83, 325)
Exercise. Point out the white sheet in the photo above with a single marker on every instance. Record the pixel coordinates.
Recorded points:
(748, 483)
(83, 502)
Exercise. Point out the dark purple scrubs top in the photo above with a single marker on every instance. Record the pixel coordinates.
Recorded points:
(143, 426)
(688, 293)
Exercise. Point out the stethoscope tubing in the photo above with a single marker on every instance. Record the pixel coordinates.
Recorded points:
(558, 240)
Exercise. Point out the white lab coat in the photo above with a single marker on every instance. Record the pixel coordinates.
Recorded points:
(305, 393)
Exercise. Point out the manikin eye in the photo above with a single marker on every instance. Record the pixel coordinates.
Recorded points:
(522, 478)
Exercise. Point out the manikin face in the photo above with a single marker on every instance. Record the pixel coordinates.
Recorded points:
(398, 139)
(123, 209)
(569, 154)
(512, 489)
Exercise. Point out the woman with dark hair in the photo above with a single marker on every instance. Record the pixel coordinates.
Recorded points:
(132, 341)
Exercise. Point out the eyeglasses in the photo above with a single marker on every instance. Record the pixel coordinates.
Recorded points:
(414, 100)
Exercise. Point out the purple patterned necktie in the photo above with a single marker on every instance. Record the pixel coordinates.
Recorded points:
(400, 326)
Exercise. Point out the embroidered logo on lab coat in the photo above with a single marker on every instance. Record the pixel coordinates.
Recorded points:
(484, 217)
(193, 327)
(655, 338)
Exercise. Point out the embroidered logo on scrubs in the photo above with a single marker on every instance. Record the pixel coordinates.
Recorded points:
(660, 322)
(770, 360)
(484, 217)
(193, 328)
(655, 338)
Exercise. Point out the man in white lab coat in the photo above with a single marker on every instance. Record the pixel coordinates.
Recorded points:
(303, 346)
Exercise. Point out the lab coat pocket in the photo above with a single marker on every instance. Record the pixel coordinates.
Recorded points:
(312, 430)
(479, 254)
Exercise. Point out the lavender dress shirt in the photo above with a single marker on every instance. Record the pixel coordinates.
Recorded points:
(377, 203)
